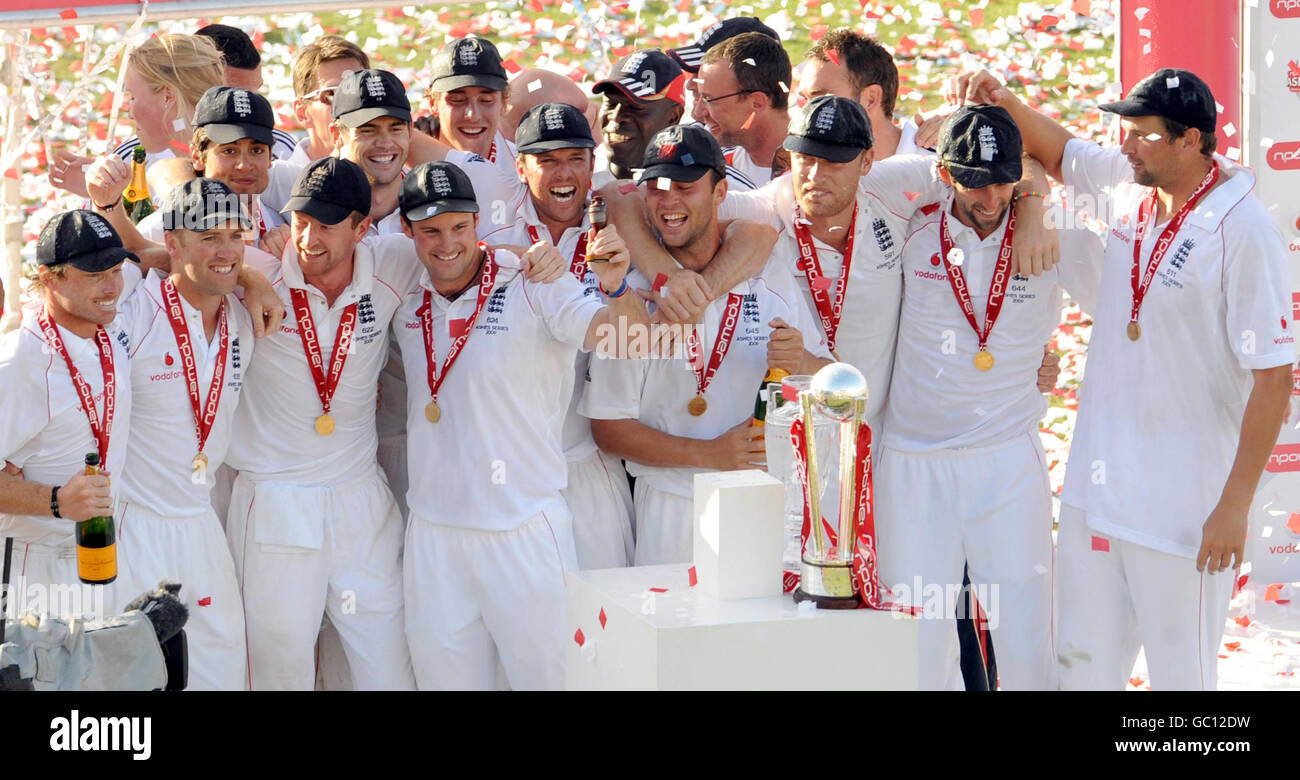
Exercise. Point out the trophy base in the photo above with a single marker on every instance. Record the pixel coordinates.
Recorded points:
(829, 585)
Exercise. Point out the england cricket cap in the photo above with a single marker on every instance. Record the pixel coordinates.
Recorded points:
(203, 204)
(980, 146)
(832, 128)
(682, 153)
(646, 76)
(551, 126)
(330, 189)
(1174, 94)
(435, 188)
(690, 56)
(81, 239)
(228, 114)
(366, 95)
(468, 62)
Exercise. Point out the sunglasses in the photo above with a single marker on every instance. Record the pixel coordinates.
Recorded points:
(325, 95)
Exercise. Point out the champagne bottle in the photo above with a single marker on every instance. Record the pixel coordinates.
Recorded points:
(136, 198)
(597, 216)
(96, 542)
(760, 404)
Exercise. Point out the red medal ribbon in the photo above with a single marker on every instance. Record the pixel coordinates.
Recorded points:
(492, 153)
(1166, 239)
(828, 311)
(84, 393)
(205, 414)
(578, 265)
(997, 288)
(325, 385)
(704, 375)
(487, 281)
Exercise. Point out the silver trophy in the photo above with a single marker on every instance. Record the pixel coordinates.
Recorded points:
(838, 391)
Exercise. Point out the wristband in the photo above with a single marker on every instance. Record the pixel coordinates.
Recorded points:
(1030, 194)
(109, 207)
(621, 291)
(54, 502)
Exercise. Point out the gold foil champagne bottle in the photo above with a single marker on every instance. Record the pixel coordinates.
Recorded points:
(96, 541)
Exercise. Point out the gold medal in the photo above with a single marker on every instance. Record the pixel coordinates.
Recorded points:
(1134, 331)
(200, 462)
(432, 413)
(324, 425)
(697, 406)
(984, 360)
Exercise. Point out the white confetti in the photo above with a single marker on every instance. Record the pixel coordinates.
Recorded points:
(534, 85)
(1218, 106)
(1040, 569)
(1266, 142)
(1229, 130)
(1141, 13)
(1268, 58)
(1171, 82)
(1233, 153)
(664, 183)
(784, 88)
(1145, 33)
(1266, 532)
(956, 256)
(750, 61)
(1245, 567)
(178, 124)
(1146, 49)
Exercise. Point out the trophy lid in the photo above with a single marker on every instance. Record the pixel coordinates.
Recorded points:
(836, 387)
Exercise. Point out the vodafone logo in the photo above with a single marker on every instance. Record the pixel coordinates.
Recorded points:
(1285, 156)
(934, 260)
(1285, 457)
(168, 360)
(1285, 9)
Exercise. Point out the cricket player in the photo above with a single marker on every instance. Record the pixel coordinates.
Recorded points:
(671, 418)
(961, 478)
(644, 93)
(67, 393)
(490, 537)
(1189, 372)
(191, 340)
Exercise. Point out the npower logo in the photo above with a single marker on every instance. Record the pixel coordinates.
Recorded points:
(1285, 156)
(1285, 457)
(1285, 9)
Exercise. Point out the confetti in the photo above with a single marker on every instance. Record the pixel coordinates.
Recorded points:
(956, 256)
(579, 638)
(206, 601)
(1172, 81)
(664, 183)
(658, 590)
(911, 195)
(660, 281)
(977, 17)
(822, 283)
(750, 61)
(1293, 523)
(1100, 544)
(69, 13)
(626, 187)
(749, 121)
(11, 173)
(178, 124)
(534, 85)
(692, 578)
(601, 617)
(1229, 130)
(1040, 569)
(1273, 592)
(1141, 13)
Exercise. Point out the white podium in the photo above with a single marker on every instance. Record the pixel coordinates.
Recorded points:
(660, 633)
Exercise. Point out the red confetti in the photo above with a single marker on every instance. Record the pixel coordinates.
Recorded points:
(834, 55)
(1293, 524)
(1232, 645)
(1100, 544)
(512, 66)
(658, 590)
(601, 616)
(977, 17)
(1242, 621)
(1082, 7)
(70, 13)
(1136, 682)
(749, 121)
(822, 283)
(1049, 20)
(660, 281)
(627, 187)
(1076, 45)
(692, 577)
(1241, 581)
(579, 638)
(12, 173)
(1272, 592)
(206, 601)
(180, 148)
(911, 195)
(930, 209)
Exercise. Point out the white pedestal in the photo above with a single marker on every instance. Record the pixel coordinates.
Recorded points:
(738, 533)
(683, 639)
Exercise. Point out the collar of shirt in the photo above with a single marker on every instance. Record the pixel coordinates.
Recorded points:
(1235, 183)
(152, 285)
(528, 213)
(507, 270)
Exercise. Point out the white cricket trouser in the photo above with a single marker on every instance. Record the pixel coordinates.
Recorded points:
(192, 551)
(479, 603)
(1117, 596)
(43, 578)
(301, 552)
(223, 481)
(665, 526)
(990, 508)
(601, 502)
(391, 455)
